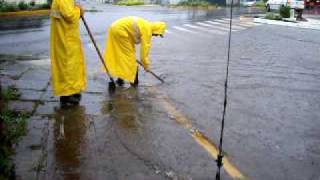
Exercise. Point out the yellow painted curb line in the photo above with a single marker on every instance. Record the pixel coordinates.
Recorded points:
(43, 12)
(199, 137)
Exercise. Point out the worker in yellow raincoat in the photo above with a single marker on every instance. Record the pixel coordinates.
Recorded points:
(120, 46)
(68, 74)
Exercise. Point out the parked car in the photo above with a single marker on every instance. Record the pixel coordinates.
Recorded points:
(248, 3)
(312, 3)
(298, 5)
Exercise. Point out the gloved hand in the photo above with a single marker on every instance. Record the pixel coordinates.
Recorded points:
(81, 9)
(146, 68)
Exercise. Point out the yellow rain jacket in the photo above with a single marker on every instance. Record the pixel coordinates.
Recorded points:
(68, 74)
(120, 47)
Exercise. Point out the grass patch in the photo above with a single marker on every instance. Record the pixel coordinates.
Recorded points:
(12, 128)
(11, 93)
(273, 16)
(260, 4)
(130, 2)
(195, 3)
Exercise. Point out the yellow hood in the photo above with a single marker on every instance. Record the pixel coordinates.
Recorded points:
(158, 27)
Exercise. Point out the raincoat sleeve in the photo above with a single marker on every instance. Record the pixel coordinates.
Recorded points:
(69, 11)
(145, 48)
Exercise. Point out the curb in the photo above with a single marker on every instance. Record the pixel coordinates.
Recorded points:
(311, 24)
(44, 12)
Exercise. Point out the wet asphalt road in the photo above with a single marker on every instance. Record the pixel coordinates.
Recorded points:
(272, 123)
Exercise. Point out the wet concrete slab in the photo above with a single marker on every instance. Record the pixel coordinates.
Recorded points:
(30, 95)
(13, 69)
(95, 86)
(48, 96)
(36, 75)
(93, 102)
(29, 152)
(47, 108)
(24, 106)
(6, 81)
(38, 85)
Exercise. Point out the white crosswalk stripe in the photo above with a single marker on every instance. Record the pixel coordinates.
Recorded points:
(205, 29)
(220, 26)
(222, 20)
(183, 29)
(215, 26)
(242, 23)
(234, 27)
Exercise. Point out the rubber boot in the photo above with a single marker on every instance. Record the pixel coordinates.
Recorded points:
(136, 80)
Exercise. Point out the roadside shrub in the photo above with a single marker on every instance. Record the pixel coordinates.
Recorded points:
(12, 128)
(11, 93)
(194, 3)
(8, 7)
(23, 6)
(130, 2)
(44, 6)
(285, 11)
(273, 16)
(32, 3)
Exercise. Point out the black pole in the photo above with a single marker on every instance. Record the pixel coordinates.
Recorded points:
(220, 154)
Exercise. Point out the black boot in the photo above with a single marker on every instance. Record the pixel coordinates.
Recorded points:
(120, 82)
(77, 96)
(136, 81)
(70, 100)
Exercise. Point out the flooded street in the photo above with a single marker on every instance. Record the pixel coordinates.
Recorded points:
(171, 130)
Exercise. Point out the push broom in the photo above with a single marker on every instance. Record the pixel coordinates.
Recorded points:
(112, 84)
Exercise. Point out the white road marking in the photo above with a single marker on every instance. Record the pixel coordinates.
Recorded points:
(234, 27)
(205, 29)
(220, 26)
(183, 29)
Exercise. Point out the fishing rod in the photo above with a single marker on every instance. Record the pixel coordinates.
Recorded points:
(220, 154)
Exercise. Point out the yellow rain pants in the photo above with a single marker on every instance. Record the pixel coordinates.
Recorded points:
(120, 50)
(68, 74)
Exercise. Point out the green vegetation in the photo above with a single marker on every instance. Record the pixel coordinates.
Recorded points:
(195, 3)
(273, 16)
(130, 2)
(7, 7)
(11, 93)
(260, 4)
(285, 11)
(21, 6)
(12, 128)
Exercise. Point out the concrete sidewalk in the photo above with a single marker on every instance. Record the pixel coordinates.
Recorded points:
(32, 79)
